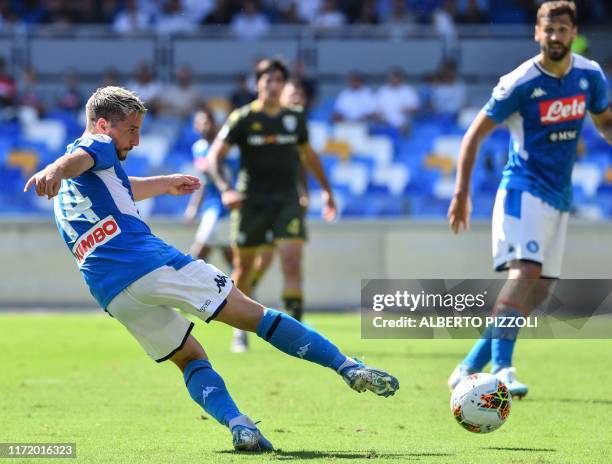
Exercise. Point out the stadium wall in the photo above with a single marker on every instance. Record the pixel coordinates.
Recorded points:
(37, 270)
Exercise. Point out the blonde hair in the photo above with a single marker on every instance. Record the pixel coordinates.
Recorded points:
(113, 104)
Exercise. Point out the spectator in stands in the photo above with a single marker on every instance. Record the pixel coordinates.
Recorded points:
(198, 10)
(181, 98)
(444, 24)
(69, 97)
(399, 14)
(131, 19)
(448, 93)
(367, 12)
(356, 102)
(329, 16)
(243, 94)
(220, 14)
(396, 102)
(250, 23)
(307, 9)
(110, 78)
(307, 82)
(29, 92)
(146, 87)
(473, 11)
(173, 19)
(8, 93)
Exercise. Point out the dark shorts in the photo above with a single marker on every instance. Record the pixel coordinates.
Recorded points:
(260, 222)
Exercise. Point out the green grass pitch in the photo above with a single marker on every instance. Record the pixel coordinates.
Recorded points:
(82, 378)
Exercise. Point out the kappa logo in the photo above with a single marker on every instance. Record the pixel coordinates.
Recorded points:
(99, 234)
(206, 392)
(256, 126)
(302, 350)
(565, 109)
(538, 92)
(220, 280)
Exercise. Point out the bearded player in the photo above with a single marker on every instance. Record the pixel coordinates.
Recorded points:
(543, 102)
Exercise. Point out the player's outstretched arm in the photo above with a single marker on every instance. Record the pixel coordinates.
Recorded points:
(173, 184)
(216, 157)
(48, 181)
(603, 122)
(461, 205)
(313, 163)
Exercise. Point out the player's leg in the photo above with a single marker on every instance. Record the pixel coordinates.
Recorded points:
(207, 388)
(248, 229)
(289, 235)
(265, 256)
(294, 338)
(290, 254)
(243, 262)
(144, 309)
(200, 248)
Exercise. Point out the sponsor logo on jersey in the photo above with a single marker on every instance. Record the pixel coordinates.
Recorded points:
(273, 139)
(538, 92)
(99, 234)
(290, 122)
(565, 109)
(563, 136)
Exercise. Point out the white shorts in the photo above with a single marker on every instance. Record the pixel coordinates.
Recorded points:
(527, 228)
(145, 307)
(213, 231)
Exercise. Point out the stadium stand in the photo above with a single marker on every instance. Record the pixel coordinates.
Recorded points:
(376, 169)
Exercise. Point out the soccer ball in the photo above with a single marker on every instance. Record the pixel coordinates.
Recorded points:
(481, 403)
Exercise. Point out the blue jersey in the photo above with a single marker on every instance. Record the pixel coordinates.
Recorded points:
(212, 195)
(545, 116)
(98, 219)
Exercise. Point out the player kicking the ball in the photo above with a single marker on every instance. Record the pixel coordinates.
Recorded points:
(137, 278)
(543, 102)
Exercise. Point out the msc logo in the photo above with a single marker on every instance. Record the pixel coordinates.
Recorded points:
(563, 136)
(220, 280)
(565, 109)
(99, 234)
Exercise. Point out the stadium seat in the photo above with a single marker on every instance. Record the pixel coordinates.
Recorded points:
(395, 177)
(352, 175)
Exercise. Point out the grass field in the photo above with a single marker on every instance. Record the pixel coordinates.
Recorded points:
(81, 378)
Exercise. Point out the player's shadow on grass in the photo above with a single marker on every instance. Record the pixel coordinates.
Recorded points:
(282, 454)
(512, 448)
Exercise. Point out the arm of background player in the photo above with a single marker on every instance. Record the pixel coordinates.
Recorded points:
(47, 181)
(313, 163)
(191, 212)
(216, 157)
(460, 207)
(603, 122)
(174, 184)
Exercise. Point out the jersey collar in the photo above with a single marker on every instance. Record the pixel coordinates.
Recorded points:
(544, 71)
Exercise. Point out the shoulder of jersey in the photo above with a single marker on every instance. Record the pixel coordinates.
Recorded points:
(96, 138)
(521, 75)
(581, 62)
(239, 113)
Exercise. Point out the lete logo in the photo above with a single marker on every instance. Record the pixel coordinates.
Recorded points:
(98, 235)
(566, 109)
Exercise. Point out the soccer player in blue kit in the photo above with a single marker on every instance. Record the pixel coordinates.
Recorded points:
(138, 279)
(543, 102)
